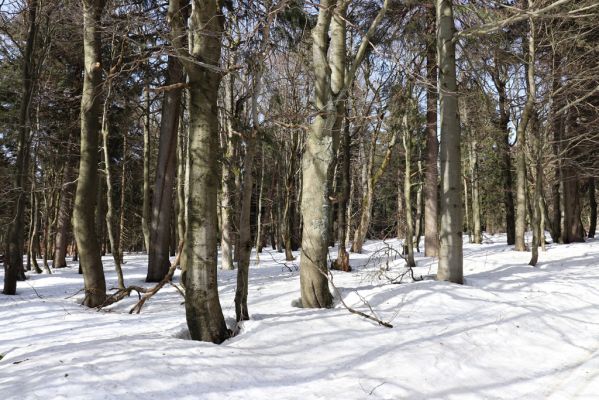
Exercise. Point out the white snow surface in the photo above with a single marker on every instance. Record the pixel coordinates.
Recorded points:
(510, 332)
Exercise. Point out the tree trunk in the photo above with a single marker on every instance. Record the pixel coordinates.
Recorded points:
(110, 212)
(593, 207)
(450, 251)
(259, 209)
(13, 266)
(226, 241)
(316, 164)
(64, 216)
(162, 199)
(342, 261)
(476, 214)
(146, 205)
(372, 180)
(407, 192)
(87, 183)
(204, 314)
(431, 177)
(506, 164)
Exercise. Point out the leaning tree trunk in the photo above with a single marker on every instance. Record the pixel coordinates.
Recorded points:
(87, 182)
(13, 266)
(162, 199)
(203, 311)
(450, 252)
(431, 176)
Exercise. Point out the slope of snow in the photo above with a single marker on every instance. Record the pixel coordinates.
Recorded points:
(512, 331)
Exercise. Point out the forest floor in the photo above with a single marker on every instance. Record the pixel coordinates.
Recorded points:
(510, 332)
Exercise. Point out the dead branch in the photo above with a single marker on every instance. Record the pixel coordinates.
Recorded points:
(120, 294)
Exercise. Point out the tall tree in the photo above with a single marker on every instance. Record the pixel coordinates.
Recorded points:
(202, 305)
(431, 175)
(450, 252)
(13, 267)
(87, 182)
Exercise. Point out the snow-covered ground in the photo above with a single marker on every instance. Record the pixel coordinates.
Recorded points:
(511, 332)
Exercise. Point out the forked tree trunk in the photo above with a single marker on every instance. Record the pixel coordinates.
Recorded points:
(204, 314)
(450, 251)
(87, 183)
(162, 199)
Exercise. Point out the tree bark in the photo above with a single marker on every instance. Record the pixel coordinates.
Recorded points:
(162, 199)
(146, 205)
(13, 266)
(316, 164)
(87, 183)
(450, 251)
(431, 177)
(204, 314)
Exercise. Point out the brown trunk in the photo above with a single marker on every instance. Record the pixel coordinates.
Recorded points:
(162, 200)
(13, 266)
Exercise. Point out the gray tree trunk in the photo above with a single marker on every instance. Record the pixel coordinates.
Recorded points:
(204, 314)
(87, 183)
(450, 251)
(316, 164)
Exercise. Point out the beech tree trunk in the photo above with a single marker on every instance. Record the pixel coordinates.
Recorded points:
(162, 199)
(316, 164)
(450, 251)
(203, 311)
(87, 183)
